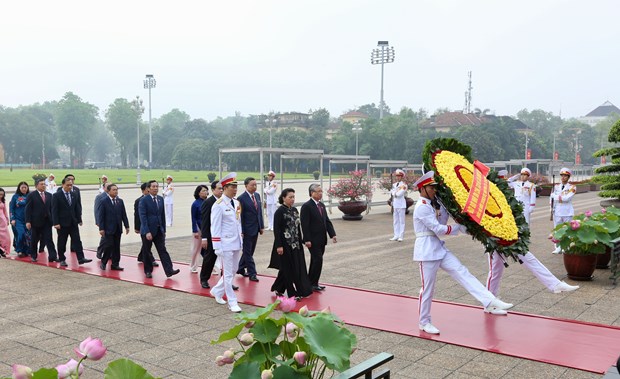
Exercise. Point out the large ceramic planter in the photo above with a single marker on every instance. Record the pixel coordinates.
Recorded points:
(602, 260)
(543, 191)
(595, 187)
(408, 200)
(581, 188)
(580, 267)
(352, 210)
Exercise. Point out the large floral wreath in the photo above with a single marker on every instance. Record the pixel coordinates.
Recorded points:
(503, 227)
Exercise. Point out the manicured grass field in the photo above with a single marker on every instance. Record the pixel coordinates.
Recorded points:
(9, 179)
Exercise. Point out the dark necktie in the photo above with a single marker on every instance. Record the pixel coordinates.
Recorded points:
(115, 202)
(155, 201)
(43, 197)
(254, 201)
(68, 196)
(232, 203)
(318, 205)
(562, 187)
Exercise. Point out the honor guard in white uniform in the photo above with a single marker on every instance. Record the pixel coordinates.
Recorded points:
(50, 184)
(399, 206)
(525, 191)
(561, 201)
(227, 240)
(429, 222)
(168, 199)
(529, 261)
(104, 183)
(271, 197)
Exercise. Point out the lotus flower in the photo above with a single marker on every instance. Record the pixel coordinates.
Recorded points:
(266, 374)
(575, 224)
(291, 330)
(21, 372)
(300, 357)
(247, 339)
(303, 311)
(588, 213)
(603, 210)
(287, 304)
(69, 368)
(91, 348)
(554, 240)
(219, 360)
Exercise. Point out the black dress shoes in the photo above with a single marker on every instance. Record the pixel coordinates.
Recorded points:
(86, 260)
(148, 275)
(235, 288)
(102, 265)
(173, 272)
(155, 264)
(51, 260)
(33, 259)
(318, 288)
(99, 254)
(205, 284)
(253, 278)
(63, 264)
(117, 268)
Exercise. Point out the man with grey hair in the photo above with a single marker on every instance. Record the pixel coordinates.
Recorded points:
(315, 226)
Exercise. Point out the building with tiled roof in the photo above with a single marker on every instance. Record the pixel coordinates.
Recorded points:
(600, 113)
(353, 117)
(448, 121)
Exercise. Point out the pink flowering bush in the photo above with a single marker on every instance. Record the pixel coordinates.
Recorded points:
(303, 344)
(588, 233)
(91, 349)
(356, 187)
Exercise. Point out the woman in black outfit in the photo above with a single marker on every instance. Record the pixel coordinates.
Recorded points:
(287, 254)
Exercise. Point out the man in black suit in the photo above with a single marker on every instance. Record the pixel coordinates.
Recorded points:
(67, 218)
(153, 229)
(208, 254)
(136, 225)
(315, 226)
(112, 216)
(103, 194)
(78, 196)
(38, 217)
(251, 225)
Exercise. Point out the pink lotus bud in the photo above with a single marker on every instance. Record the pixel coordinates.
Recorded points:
(220, 360)
(554, 240)
(247, 339)
(291, 330)
(327, 310)
(21, 372)
(249, 324)
(588, 213)
(303, 310)
(603, 210)
(575, 224)
(287, 304)
(266, 374)
(300, 357)
(550, 236)
(229, 354)
(68, 369)
(91, 348)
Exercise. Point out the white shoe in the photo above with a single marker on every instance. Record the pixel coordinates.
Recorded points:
(495, 311)
(498, 304)
(393, 238)
(400, 240)
(218, 299)
(558, 250)
(235, 308)
(564, 287)
(193, 270)
(429, 328)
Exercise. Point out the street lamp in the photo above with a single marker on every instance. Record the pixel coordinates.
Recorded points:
(577, 160)
(356, 129)
(527, 140)
(149, 83)
(384, 53)
(139, 109)
(270, 120)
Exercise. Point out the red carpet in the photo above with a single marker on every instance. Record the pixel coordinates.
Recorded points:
(584, 346)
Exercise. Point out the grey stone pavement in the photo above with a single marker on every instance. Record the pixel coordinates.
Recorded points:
(45, 312)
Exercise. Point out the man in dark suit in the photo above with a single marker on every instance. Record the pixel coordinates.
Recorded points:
(78, 196)
(136, 225)
(251, 225)
(112, 215)
(153, 229)
(103, 194)
(67, 218)
(315, 226)
(38, 217)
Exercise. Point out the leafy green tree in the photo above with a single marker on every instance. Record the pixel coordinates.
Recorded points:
(168, 132)
(320, 117)
(26, 132)
(122, 120)
(76, 121)
(190, 154)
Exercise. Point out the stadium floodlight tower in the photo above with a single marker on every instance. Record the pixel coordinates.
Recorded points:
(384, 53)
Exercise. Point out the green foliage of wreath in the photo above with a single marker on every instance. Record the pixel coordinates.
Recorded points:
(520, 247)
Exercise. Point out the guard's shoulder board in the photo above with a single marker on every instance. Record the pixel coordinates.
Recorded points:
(219, 200)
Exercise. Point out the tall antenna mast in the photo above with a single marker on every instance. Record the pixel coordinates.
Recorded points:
(467, 108)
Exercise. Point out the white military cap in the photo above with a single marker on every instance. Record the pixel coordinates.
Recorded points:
(527, 171)
(503, 174)
(103, 177)
(271, 173)
(169, 177)
(565, 171)
(231, 179)
(427, 179)
(399, 172)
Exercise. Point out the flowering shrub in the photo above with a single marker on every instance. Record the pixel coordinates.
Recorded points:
(303, 344)
(588, 233)
(538, 179)
(90, 349)
(385, 183)
(356, 187)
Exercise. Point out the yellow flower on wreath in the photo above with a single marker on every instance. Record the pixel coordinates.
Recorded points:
(457, 173)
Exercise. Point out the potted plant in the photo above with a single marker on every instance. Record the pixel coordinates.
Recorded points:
(583, 239)
(385, 184)
(353, 192)
(316, 175)
(303, 344)
(211, 176)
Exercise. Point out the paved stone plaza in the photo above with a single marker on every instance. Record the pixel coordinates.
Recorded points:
(45, 312)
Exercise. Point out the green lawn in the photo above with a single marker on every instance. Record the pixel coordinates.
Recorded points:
(9, 179)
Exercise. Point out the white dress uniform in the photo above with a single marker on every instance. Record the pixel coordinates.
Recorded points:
(227, 243)
(525, 193)
(271, 199)
(430, 251)
(399, 205)
(50, 185)
(562, 196)
(168, 192)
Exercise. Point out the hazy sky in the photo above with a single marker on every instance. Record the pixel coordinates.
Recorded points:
(212, 58)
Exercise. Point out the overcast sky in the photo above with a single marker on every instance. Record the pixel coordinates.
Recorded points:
(212, 58)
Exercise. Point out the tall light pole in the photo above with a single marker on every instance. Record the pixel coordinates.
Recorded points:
(577, 146)
(270, 119)
(150, 83)
(139, 109)
(527, 139)
(356, 129)
(383, 54)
